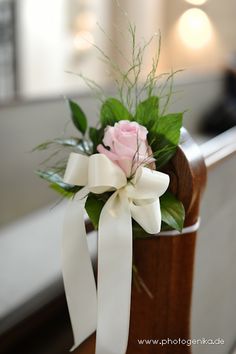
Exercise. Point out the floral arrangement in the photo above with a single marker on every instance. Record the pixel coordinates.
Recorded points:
(115, 172)
(146, 137)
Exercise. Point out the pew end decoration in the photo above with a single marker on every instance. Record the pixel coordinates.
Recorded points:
(119, 173)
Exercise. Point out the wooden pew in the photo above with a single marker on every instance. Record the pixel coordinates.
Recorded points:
(169, 266)
(166, 264)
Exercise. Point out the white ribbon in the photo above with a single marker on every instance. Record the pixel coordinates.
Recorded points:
(106, 310)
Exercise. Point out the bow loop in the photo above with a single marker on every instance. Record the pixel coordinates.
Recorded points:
(148, 184)
(96, 172)
(77, 170)
(104, 175)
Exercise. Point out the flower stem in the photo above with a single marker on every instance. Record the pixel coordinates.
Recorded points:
(139, 283)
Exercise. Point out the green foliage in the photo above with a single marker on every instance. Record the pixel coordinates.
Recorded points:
(78, 117)
(164, 131)
(172, 211)
(43, 146)
(76, 144)
(93, 208)
(147, 112)
(112, 111)
(164, 137)
(169, 127)
(64, 193)
(69, 142)
(96, 136)
(56, 182)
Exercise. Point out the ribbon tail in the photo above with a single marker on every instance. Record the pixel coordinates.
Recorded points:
(77, 272)
(114, 275)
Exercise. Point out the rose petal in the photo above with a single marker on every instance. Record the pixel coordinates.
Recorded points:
(109, 136)
(128, 147)
(124, 151)
(126, 166)
(127, 139)
(143, 132)
(111, 155)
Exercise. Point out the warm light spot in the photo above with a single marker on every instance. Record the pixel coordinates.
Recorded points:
(83, 40)
(195, 28)
(85, 21)
(196, 2)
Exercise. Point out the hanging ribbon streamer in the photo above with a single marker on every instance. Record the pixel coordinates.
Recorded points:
(107, 308)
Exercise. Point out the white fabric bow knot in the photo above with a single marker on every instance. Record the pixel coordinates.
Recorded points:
(106, 309)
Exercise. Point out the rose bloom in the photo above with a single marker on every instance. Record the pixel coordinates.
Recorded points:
(127, 146)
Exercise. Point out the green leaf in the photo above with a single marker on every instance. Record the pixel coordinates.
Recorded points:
(172, 211)
(78, 117)
(68, 142)
(56, 180)
(147, 112)
(43, 146)
(164, 137)
(61, 191)
(113, 111)
(169, 127)
(138, 231)
(96, 136)
(79, 145)
(94, 207)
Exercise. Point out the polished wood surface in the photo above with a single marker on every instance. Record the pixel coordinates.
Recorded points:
(166, 265)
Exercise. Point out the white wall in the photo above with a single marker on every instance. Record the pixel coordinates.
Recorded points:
(148, 17)
(46, 49)
(41, 45)
(46, 41)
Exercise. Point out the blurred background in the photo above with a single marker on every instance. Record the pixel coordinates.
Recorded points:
(43, 45)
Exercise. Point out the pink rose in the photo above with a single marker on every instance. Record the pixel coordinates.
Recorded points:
(127, 145)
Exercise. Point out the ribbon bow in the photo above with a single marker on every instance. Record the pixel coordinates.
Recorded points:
(106, 309)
